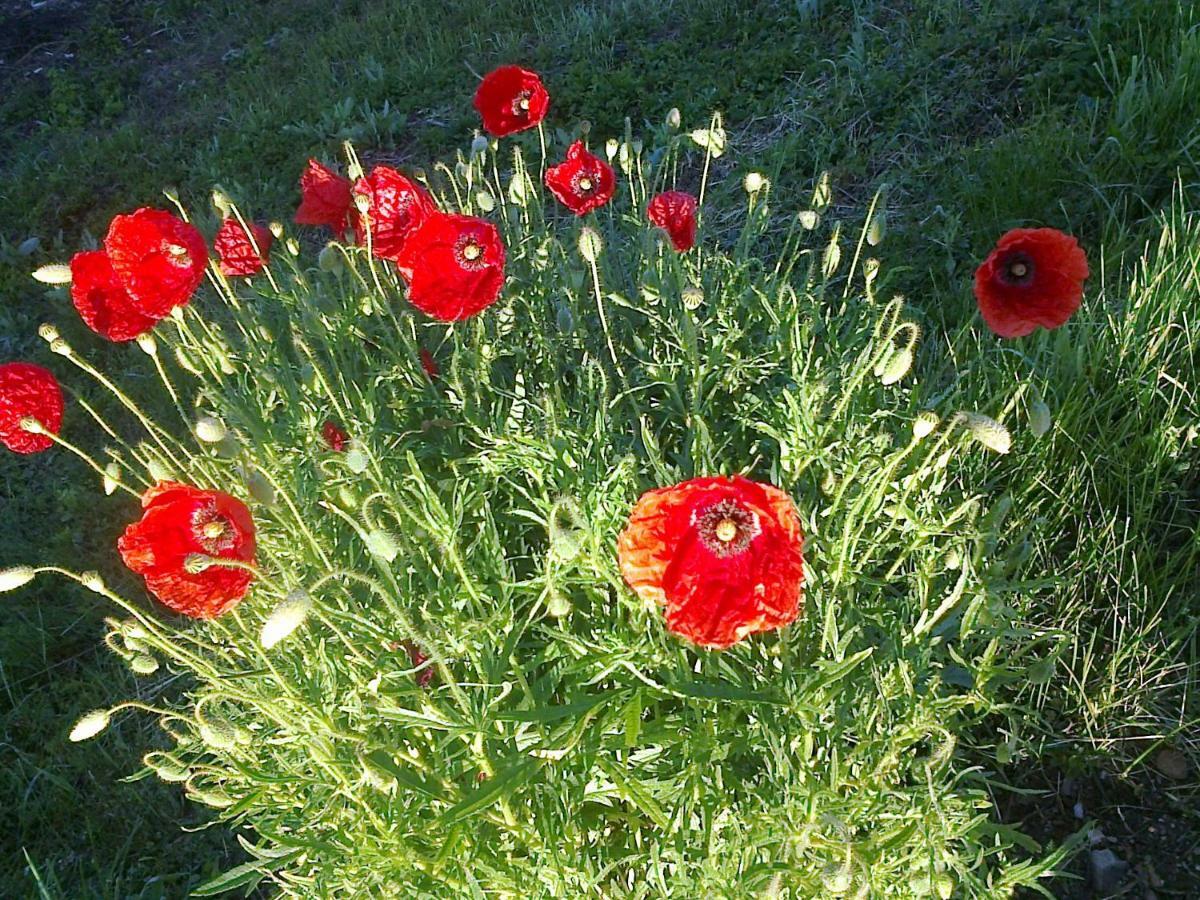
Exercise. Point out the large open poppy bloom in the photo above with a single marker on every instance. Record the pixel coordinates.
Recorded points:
(102, 301)
(158, 257)
(396, 206)
(236, 251)
(324, 199)
(511, 99)
(1032, 279)
(454, 266)
(181, 531)
(583, 182)
(722, 555)
(28, 391)
(675, 213)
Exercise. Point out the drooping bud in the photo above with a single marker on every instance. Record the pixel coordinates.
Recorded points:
(221, 201)
(54, 274)
(382, 544)
(144, 664)
(330, 258)
(15, 576)
(590, 244)
(809, 219)
(167, 767)
(516, 190)
(285, 618)
(27, 246)
(987, 431)
(215, 731)
(557, 604)
(276, 229)
(293, 246)
(210, 430)
(896, 366)
(1039, 415)
(485, 201)
(112, 478)
(479, 145)
(356, 460)
(260, 488)
(89, 726)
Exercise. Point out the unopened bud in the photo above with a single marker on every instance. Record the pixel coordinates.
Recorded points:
(485, 201)
(479, 145)
(924, 424)
(590, 244)
(293, 246)
(987, 431)
(185, 362)
(1039, 417)
(89, 726)
(356, 460)
(285, 618)
(112, 478)
(674, 118)
(210, 430)
(215, 731)
(15, 576)
(557, 604)
(330, 258)
(753, 183)
(144, 664)
(260, 488)
(222, 203)
(54, 274)
(382, 544)
(897, 366)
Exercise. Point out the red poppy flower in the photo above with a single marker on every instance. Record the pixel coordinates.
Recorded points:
(324, 199)
(454, 266)
(103, 303)
(583, 182)
(397, 205)
(159, 258)
(675, 213)
(511, 99)
(334, 436)
(237, 253)
(181, 531)
(28, 391)
(429, 364)
(1032, 279)
(723, 555)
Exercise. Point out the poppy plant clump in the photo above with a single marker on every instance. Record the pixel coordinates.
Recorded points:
(1032, 279)
(493, 621)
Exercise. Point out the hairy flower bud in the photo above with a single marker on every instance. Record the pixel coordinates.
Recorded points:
(382, 544)
(15, 576)
(897, 366)
(54, 274)
(674, 118)
(285, 618)
(754, 182)
(210, 430)
(112, 478)
(330, 259)
(144, 664)
(987, 431)
(485, 201)
(222, 203)
(89, 726)
(590, 244)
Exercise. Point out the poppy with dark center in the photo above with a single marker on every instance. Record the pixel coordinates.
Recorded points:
(335, 438)
(179, 542)
(675, 213)
(511, 99)
(1032, 279)
(324, 199)
(582, 182)
(454, 266)
(396, 206)
(238, 256)
(158, 258)
(722, 555)
(102, 301)
(28, 392)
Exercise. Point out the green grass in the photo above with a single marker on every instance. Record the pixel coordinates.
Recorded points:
(979, 117)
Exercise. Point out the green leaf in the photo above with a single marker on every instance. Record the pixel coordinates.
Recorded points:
(246, 875)
(554, 713)
(492, 790)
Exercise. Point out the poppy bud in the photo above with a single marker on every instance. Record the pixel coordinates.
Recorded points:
(210, 430)
(382, 544)
(837, 879)
(674, 118)
(260, 488)
(753, 183)
(293, 246)
(54, 274)
(148, 345)
(144, 664)
(479, 145)
(89, 726)
(112, 478)
(215, 799)
(485, 201)
(218, 733)
(222, 203)
(167, 767)
(185, 362)
(516, 190)
(356, 460)
(564, 320)
(590, 244)
(870, 271)
(987, 431)
(285, 618)
(92, 581)
(809, 219)
(944, 884)
(15, 576)
(557, 605)
(1039, 415)
(27, 246)
(330, 259)
(897, 366)
(924, 425)
(47, 332)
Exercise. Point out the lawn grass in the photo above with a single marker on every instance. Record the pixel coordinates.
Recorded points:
(978, 116)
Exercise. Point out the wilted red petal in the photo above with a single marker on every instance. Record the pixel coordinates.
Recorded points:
(675, 213)
(324, 198)
(237, 254)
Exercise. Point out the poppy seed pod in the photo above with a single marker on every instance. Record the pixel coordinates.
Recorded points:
(47, 332)
(924, 425)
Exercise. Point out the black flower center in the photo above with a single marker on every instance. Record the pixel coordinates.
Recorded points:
(469, 253)
(726, 528)
(1017, 269)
